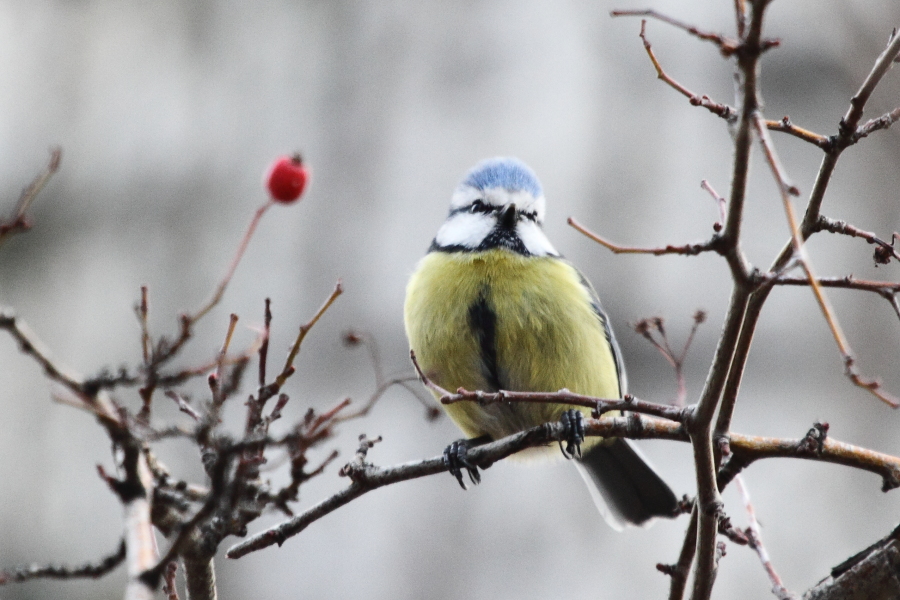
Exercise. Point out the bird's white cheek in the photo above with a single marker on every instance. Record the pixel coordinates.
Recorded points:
(534, 240)
(464, 229)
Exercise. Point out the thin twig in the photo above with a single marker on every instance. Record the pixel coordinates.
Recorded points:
(847, 282)
(17, 221)
(167, 349)
(844, 138)
(383, 387)
(877, 124)
(754, 537)
(264, 347)
(712, 245)
(726, 45)
(883, 253)
(242, 247)
(143, 311)
(646, 327)
(679, 571)
(882, 65)
(722, 110)
(183, 405)
(383, 383)
(288, 369)
(169, 586)
(92, 570)
(218, 395)
(786, 126)
(599, 405)
(785, 186)
(886, 289)
(740, 14)
(32, 346)
(720, 203)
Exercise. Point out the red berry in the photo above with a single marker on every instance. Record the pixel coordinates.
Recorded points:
(286, 178)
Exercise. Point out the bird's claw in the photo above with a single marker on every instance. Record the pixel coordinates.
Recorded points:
(572, 421)
(455, 457)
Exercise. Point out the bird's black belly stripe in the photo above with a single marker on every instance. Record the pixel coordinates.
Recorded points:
(483, 322)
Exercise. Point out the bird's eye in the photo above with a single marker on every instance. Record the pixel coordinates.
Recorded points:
(478, 206)
(531, 216)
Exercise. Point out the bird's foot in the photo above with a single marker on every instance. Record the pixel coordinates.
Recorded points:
(456, 457)
(573, 433)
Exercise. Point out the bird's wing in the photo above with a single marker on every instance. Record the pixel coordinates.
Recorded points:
(607, 331)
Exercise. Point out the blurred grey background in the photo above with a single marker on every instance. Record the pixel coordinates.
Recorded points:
(169, 112)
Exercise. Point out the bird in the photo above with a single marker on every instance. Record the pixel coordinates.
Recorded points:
(493, 306)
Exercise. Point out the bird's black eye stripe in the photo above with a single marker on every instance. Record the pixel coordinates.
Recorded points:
(478, 206)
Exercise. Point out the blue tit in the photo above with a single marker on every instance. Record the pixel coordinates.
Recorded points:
(493, 306)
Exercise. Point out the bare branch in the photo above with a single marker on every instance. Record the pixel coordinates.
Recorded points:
(786, 126)
(183, 404)
(870, 573)
(720, 203)
(727, 112)
(264, 348)
(709, 500)
(883, 253)
(755, 541)
(848, 130)
(740, 15)
(781, 178)
(601, 406)
(366, 477)
(288, 369)
(846, 136)
(712, 245)
(169, 586)
(847, 282)
(747, 449)
(646, 329)
(200, 577)
(17, 221)
(382, 383)
(93, 570)
(140, 540)
(143, 310)
(679, 571)
(242, 247)
(722, 110)
(726, 45)
(810, 224)
(882, 122)
(31, 346)
(873, 386)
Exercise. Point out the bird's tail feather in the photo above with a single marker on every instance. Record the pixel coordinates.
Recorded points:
(625, 488)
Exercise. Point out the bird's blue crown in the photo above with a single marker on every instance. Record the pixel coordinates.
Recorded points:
(508, 173)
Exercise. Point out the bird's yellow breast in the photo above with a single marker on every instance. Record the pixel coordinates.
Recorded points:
(544, 332)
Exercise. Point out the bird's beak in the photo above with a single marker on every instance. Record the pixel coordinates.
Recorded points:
(508, 217)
